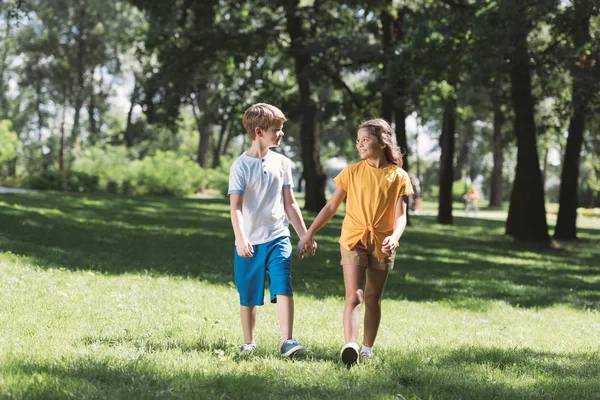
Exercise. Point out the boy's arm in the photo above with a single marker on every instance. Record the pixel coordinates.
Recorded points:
(242, 244)
(391, 242)
(295, 216)
(293, 211)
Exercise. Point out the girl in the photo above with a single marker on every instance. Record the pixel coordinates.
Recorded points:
(377, 190)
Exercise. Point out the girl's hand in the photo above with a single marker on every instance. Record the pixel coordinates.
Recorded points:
(305, 244)
(389, 244)
(244, 247)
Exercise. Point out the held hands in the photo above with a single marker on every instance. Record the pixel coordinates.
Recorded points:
(244, 247)
(389, 244)
(306, 244)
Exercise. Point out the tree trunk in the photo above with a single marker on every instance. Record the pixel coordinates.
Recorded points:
(201, 101)
(462, 159)
(61, 150)
(497, 144)
(79, 87)
(92, 118)
(216, 162)
(129, 140)
(388, 39)
(3, 65)
(309, 133)
(228, 138)
(582, 90)
(526, 219)
(401, 138)
(447, 163)
(546, 150)
(38, 105)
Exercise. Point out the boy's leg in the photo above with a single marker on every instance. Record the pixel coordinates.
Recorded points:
(373, 293)
(285, 315)
(354, 276)
(248, 318)
(279, 269)
(249, 276)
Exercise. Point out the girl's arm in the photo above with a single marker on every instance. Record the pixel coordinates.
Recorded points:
(322, 218)
(242, 244)
(390, 243)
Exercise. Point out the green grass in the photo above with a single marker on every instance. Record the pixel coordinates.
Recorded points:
(118, 297)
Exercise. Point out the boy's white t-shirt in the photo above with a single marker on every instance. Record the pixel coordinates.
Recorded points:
(262, 181)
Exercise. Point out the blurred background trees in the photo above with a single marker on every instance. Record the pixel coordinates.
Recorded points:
(146, 97)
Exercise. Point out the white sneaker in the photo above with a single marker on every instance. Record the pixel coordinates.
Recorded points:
(366, 356)
(350, 353)
(248, 348)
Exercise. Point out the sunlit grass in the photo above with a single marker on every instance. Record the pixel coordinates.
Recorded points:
(116, 297)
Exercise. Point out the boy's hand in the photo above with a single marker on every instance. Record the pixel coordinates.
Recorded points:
(305, 244)
(389, 244)
(244, 248)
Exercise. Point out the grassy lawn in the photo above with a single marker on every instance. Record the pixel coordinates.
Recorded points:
(122, 297)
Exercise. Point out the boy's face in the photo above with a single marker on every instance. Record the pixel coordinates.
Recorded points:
(272, 135)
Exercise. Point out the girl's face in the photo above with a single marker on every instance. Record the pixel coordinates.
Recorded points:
(368, 146)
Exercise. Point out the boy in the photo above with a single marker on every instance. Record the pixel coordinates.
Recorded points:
(262, 200)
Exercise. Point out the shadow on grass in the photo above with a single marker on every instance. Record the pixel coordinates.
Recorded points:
(466, 373)
(467, 264)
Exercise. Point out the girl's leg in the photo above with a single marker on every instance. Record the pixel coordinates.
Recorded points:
(248, 318)
(373, 293)
(354, 277)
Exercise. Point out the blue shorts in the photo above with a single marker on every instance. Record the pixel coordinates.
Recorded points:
(272, 259)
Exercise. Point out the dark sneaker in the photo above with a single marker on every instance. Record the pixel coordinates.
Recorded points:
(350, 353)
(291, 348)
(248, 348)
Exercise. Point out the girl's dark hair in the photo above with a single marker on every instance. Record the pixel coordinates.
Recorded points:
(380, 128)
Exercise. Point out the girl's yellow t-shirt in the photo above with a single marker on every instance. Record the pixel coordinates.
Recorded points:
(372, 194)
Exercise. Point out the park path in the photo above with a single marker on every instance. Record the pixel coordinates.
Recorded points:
(15, 190)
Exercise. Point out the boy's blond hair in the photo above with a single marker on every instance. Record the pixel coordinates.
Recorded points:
(261, 115)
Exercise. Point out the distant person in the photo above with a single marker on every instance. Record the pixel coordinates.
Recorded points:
(471, 198)
(416, 200)
(262, 201)
(377, 189)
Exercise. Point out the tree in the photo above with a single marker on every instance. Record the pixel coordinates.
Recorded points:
(309, 133)
(583, 89)
(526, 219)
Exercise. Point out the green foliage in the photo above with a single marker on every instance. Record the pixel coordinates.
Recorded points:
(112, 170)
(167, 174)
(592, 163)
(9, 142)
(75, 181)
(218, 178)
(109, 164)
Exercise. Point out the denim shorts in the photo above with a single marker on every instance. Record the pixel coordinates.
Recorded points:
(272, 260)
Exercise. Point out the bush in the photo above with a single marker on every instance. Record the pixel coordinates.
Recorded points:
(82, 182)
(46, 180)
(167, 174)
(110, 170)
(218, 179)
(590, 212)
